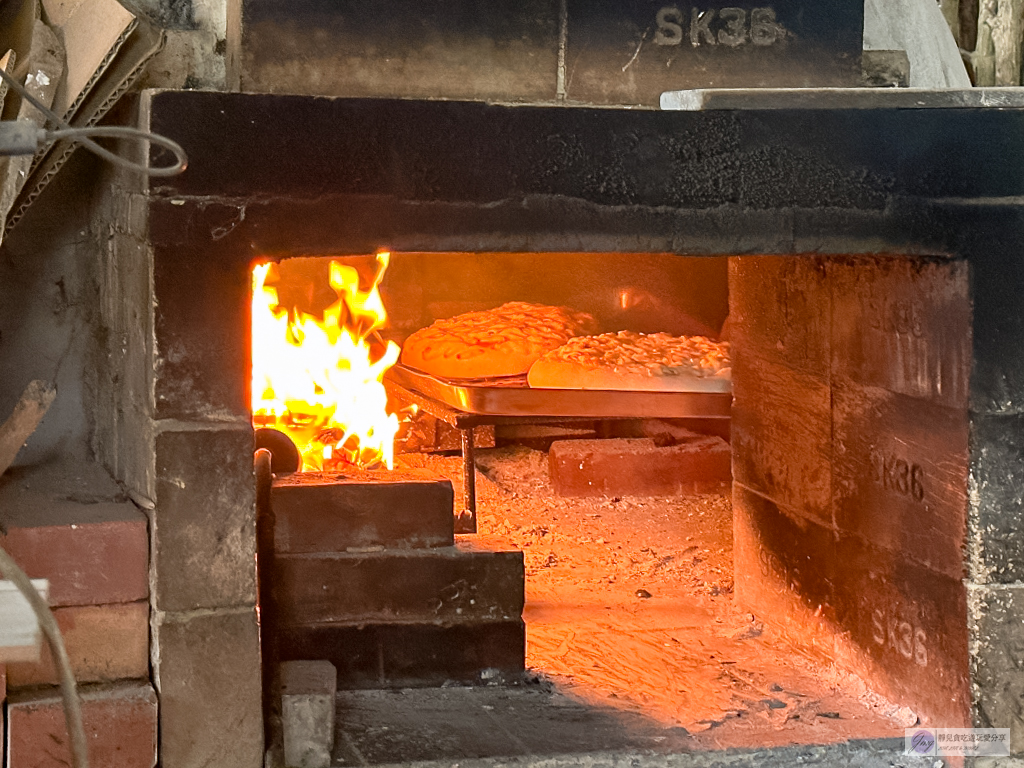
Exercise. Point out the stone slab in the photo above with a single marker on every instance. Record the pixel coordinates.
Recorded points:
(207, 668)
(639, 467)
(104, 643)
(457, 725)
(413, 655)
(438, 584)
(308, 689)
(203, 528)
(330, 513)
(120, 726)
(840, 98)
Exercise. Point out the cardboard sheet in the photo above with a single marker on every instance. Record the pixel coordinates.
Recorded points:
(44, 69)
(92, 32)
(142, 44)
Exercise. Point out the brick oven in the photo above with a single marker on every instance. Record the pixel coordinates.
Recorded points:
(855, 565)
(870, 260)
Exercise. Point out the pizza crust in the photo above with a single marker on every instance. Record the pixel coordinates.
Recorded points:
(627, 360)
(499, 342)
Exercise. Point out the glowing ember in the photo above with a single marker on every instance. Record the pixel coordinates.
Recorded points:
(319, 381)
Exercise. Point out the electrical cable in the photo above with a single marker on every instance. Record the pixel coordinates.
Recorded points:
(81, 136)
(69, 692)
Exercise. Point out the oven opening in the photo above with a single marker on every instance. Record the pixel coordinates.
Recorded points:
(764, 552)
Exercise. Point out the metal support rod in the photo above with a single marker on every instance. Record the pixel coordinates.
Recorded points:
(265, 524)
(466, 522)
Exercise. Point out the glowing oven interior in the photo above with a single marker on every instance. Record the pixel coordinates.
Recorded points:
(815, 596)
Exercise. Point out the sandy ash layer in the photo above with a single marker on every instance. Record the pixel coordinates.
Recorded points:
(629, 603)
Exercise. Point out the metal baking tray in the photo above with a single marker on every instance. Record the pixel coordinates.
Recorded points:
(513, 397)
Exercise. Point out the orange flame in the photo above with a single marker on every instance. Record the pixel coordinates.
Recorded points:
(318, 380)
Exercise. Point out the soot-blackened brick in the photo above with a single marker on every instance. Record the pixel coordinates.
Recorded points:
(900, 478)
(638, 467)
(439, 584)
(997, 514)
(997, 663)
(499, 51)
(204, 521)
(909, 620)
(412, 655)
(630, 53)
(202, 281)
(210, 700)
(334, 513)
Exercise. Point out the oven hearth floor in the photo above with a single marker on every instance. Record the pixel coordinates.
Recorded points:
(633, 642)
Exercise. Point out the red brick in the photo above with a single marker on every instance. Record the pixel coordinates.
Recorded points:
(3, 697)
(88, 563)
(120, 726)
(638, 467)
(105, 643)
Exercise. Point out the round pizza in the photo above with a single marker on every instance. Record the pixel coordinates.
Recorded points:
(504, 341)
(636, 361)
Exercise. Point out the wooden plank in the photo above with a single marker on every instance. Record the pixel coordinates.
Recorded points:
(29, 411)
(19, 631)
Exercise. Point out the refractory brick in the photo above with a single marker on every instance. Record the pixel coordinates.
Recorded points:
(332, 513)
(439, 584)
(638, 467)
(412, 655)
(308, 689)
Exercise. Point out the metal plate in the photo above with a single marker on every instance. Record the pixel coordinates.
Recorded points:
(511, 397)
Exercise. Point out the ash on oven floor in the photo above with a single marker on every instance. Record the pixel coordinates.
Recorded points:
(535, 727)
(381, 727)
(635, 639)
